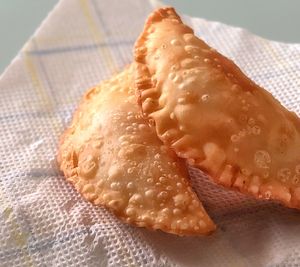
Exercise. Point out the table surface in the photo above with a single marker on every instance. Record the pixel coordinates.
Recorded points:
(273, 19)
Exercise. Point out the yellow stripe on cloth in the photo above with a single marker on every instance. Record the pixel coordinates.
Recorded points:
(18, 236)
(97, 35)
(36, 81)
(268, 45)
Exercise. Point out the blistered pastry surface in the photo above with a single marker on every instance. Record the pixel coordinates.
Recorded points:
(114, 158)
(210, 113)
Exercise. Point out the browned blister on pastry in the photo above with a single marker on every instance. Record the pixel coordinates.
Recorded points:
(114, 159)
(210, 113)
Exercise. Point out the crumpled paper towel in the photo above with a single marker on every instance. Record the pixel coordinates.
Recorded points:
(44, 221)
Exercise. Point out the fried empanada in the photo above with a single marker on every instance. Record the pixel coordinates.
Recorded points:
(210, 113)
(114, 159)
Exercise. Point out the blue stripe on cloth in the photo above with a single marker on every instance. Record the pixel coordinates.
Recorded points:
(43, 245)
(64, 49)
(66, 112)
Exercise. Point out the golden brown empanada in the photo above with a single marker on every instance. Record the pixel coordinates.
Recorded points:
(210, 113)
(113, 158)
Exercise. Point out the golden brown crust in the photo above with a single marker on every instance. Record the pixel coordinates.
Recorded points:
(213, 115)
(114, 159)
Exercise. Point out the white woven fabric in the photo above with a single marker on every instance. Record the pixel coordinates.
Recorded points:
(45, 222)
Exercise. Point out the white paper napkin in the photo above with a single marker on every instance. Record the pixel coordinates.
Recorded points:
(45, 222)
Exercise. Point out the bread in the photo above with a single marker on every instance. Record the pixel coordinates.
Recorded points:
(114, 159)
(210, 113)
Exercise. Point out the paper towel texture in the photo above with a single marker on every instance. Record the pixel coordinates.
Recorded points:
(45, 222)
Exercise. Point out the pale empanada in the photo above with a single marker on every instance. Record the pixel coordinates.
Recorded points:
(210, 113)
(115, 159)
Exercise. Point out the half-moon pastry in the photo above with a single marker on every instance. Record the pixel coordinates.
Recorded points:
(210, 113)
(115, 159)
